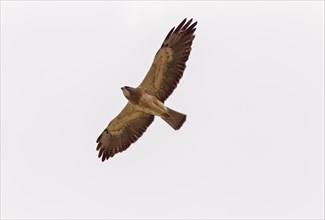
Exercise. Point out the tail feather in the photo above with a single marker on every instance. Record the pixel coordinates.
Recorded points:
(174, 119)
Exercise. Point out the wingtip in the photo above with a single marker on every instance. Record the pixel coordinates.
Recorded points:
(104, 156)
(98, 146)
(180, 26)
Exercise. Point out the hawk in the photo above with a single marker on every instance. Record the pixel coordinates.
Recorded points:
(147, 100)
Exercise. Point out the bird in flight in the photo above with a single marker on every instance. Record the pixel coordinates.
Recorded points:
(147, 100)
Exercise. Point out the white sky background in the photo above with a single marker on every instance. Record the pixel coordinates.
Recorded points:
(252, 146)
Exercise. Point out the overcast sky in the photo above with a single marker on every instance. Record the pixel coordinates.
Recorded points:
(253, 90)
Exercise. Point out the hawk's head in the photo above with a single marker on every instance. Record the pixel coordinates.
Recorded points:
(126, 91)
(132, 94)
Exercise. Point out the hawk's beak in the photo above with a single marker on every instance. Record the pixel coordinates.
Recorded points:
(122, 88)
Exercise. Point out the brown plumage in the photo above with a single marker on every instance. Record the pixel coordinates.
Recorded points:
(117, 137)
(147, 100)
(177, 44)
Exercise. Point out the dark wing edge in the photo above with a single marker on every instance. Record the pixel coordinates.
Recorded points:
(110, 144)
(180, 41)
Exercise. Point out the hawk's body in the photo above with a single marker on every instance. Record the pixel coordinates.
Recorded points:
(147, 100)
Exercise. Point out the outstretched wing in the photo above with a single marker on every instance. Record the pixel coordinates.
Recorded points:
(169, 63)
(122, 131)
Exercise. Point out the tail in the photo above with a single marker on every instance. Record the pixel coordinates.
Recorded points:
(174, 118)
